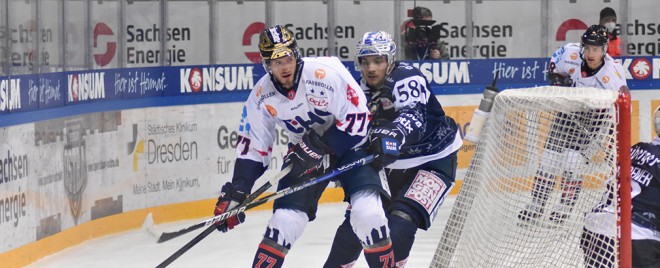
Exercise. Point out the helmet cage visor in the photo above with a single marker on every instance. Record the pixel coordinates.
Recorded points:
(376, 44)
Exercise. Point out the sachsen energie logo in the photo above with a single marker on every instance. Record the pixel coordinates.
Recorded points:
(253, 29)
(569, 25)
(101, 29)
(206, 79)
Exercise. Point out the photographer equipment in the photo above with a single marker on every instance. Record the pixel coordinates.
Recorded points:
(422, 37)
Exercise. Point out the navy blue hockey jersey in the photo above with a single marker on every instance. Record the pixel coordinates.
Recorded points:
(645, 175)
(406, 99)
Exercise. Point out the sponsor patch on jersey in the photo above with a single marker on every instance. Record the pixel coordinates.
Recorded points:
(291, 94)
(317, 102)
(571, 71)
(317, 97)
(319, 73)
(574, 56)
(605, 79)
(352, 96)
(271, 110)
(426, 189)
(258, 93)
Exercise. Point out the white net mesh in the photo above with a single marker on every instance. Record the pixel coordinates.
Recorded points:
(544, 159)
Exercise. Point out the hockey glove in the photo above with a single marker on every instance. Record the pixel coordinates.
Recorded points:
(385, 142)
(229, 198)
(307, 155)
(559, 80)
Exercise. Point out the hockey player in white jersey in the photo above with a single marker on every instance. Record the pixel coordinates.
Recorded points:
(586, 64)
(415, 144)
(322, 109)
(573, 65)
(645, 229)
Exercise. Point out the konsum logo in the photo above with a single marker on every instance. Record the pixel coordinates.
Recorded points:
(640, 68)
(445, 72)
(86, 86)
(10, 94)
(194, 80)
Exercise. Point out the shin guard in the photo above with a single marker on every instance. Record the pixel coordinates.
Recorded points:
(269, 255)
(402, 232)
(382, 256)
(345, 249)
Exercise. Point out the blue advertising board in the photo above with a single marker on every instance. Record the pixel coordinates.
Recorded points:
(29, 98)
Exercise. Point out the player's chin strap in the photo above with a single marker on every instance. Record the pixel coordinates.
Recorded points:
(250, 203)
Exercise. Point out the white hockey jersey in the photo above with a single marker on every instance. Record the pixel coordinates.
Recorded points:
(567, 62)
(327, 94)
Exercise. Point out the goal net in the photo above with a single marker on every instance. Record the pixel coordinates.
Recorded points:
(544, 170)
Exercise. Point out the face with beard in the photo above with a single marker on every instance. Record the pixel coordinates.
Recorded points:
(283, 69)
(374, 69)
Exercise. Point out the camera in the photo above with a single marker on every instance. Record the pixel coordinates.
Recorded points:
(423, 37)
(423, 33)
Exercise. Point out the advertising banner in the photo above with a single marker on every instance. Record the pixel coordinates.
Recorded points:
(116, 89)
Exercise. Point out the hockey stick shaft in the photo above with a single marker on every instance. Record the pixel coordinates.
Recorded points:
(286, 191)
(165, 236)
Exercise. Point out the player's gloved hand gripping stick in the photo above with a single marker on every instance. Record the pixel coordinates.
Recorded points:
(250, 202)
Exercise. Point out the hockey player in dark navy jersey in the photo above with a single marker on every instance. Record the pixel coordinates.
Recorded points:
(645, 229)
(415, 145)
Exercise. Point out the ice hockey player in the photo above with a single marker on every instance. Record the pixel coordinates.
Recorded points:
(412, 139)
(645, 184)
(322, 109)
(573, 65)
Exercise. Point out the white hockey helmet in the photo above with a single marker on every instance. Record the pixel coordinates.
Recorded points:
(376, 43)
(657, 121)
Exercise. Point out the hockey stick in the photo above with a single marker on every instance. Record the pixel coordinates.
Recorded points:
(232, 212)
(246, 206)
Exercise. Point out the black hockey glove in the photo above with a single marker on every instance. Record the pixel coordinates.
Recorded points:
(229, 198)
(385, 142)
(307, 155)
(559, 80)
